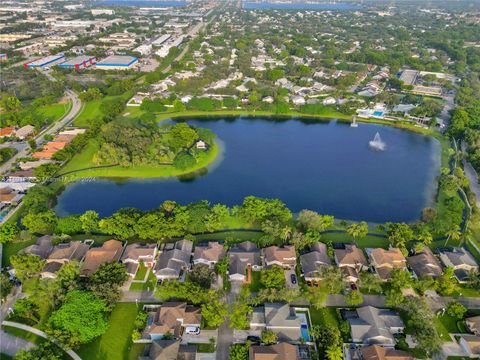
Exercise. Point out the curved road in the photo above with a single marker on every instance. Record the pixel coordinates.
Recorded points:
(40, 138)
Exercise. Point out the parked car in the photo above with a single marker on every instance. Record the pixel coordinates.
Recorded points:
(293, 278)
(253, 339)
(192, 330)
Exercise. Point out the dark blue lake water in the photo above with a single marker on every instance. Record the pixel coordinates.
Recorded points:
(142, 3)
(325, 166)
(299, 6)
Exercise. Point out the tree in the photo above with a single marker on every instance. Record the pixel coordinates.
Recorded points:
(400, 279)
(89, 221)
(325, 337)
(240, 310)
(214, 312)
(358, 230)
(354, 298)
(454, 234)
(105, 283)
(456, 310)
(44, 351)
(42, 222)
(399, 234)
(424, 235)
(11, 103)
(273, 277)
(26, 266)
(312, 220)
(394, 297)
(79, 320)
(26, 308)
(202, 275)
(446, 283)
(370, 282)
(268, 337)
(334, 352)
(5, 286)
(8, 232)
(257, 210)
(68, 225)
(182, 136)
(332, 279)
(239, 351)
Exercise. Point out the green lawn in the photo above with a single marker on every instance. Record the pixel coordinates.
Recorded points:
(12, 248)
(148, 285)
(141, 272)
(5, 357)
(255, 284)
(441, 325)
(450, 324)
(367, 242)
(90, 111)
(85, 160)
(237, 235)
(116, 343)
(54, 112)
(324, 316)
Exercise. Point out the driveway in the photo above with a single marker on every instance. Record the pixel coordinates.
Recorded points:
(240, 336)
(288, 279)
(203, 338)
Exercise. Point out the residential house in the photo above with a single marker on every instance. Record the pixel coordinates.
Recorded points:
(110, 251)
(351, 260)
(136, 253)
(285, 257)
(375, 326)
(209, 255)
(279, 318)
(313, 260)
(49, 149)
(42, 248)
(171, 318)
(244, 257)
(470, 344)
(7, 131)
(10, 196)
(384, 261)
(170, 350)
(24, 132)
(62, 254)
(424, 264)
(173, 261)
(461, 261)
(377, 352)
(280, 351)
(473, 324)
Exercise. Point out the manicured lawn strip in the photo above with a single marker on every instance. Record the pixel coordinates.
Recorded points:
(55, 111)
(85, 160)
(255, 285)
(367, 242)
(141, 272)
(442, 329)
(90, 111)
(145, 286)
(451, 324)
(204, 348)
(324, 316)
(237, 235)
(12, 248)
(136, 351)
(116, 343)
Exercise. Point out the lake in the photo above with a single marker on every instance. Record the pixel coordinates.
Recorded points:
(326, 166)
(299, 6)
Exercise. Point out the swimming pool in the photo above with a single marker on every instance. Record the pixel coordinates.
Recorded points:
(304, 326)
(378, 113)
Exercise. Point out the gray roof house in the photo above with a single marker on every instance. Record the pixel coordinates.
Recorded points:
(280, 318)
(42, 248)
(136, 253)
(244, 256)
(375, 326)
(172, 262)
(62, 254)
(310, 262)
(424, 264)
(461, 260)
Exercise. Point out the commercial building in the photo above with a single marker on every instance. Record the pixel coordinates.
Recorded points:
(117, 62)
(46, 61)
(79, 62)
(103, 12)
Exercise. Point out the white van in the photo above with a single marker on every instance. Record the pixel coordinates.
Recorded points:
(192, 330)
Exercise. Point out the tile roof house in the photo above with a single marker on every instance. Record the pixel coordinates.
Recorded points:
(24, 131)
(285, 257)
(7, 131)
(473, 324)
(470, 344)
(424, 264)
(110, 251)
(42, 248)
(375, 326)
(377, 352)
(310, 262)
(49, 149)
(280, 351)
(171, 262)
(461, 261)
(170, 350)
(244, 256)
(209, 255)
(280, 318)
(351, 260)
(62, 254)
(136, 253)
(385, 261)
(171, 317)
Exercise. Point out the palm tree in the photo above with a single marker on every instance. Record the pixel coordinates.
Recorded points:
(287, 233)
(334, 352)
(454, 233)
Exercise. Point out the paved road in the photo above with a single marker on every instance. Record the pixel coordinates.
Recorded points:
(225, 332)
(10, 345)
(140, 296)
(40, 333)
(40, 139)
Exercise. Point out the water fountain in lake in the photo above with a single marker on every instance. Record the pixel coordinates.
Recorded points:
(377, 143)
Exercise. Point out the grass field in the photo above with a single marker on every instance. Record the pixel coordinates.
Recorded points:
(367, 242)
(12, 248)
(450, 324)
(54, 112)
(147, 285)
(324, 316)
(90, 111)
(116, 343)
(85, 160)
